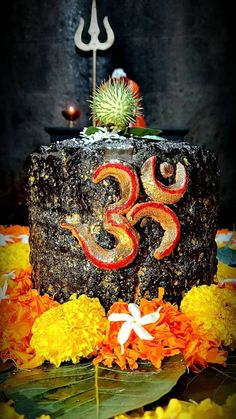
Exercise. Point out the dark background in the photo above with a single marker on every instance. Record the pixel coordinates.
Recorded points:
(181, 53)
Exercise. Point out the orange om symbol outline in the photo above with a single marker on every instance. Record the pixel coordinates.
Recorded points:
(121, 217)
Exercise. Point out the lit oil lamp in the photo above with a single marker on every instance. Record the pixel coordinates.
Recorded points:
(71, 114)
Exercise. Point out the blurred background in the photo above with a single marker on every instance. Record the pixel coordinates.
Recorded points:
(181, 53)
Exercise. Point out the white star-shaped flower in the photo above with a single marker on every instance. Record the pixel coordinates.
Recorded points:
(10, 275)
(24, 238)
(224, 237)
(3, 291)
(135, 322)
(228, 281)
(6, 238)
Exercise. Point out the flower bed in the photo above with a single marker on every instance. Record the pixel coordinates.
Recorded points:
(35, 328)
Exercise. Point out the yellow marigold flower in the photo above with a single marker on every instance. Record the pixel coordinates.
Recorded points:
(14, 257)
(215, 309)
(225, 271)
(7, 411)
(177, 409)
(69, 331)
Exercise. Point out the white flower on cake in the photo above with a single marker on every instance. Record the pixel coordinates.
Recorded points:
(6, 238)
(135, 322)
(24, 238)
(9, 238)
(224, 237)
(228, 281)
(3, 291)
(9, 275)
(101, 134)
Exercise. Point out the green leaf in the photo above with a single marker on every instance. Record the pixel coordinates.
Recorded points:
(91, 130)
(227, 255)
(214, 382)
(85, 391)
(145, 132)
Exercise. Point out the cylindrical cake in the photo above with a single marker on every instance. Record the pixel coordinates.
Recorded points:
(64, 183)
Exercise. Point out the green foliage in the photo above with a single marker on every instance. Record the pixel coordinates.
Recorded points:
(85, 391)
(214, 382)
(145, 132)
(152, 133)
(91, 130)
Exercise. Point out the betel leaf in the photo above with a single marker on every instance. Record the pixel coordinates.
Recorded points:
(227, 255)
(86, 391)
(144, 132)
(214, 382)
(91, 130)
(5, 366)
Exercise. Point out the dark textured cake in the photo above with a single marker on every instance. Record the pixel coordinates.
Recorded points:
(59, 185)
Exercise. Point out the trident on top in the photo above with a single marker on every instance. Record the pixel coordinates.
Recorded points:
(94, 43)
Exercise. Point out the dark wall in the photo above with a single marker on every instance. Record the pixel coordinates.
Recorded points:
(180, 52)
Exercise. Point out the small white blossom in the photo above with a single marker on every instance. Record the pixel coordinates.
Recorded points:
(102, 134)
(24, 238)
(10, 275)
(6, 238)
(3, 291)
(135, 322)
(224, 237)
(228, 281)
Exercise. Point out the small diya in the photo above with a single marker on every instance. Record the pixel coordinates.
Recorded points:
(71, 114)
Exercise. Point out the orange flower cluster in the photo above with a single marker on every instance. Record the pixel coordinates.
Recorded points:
(18, 313)
(15, 231)
(173, 334)
(20, 284)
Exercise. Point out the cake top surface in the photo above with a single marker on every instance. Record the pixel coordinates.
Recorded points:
(120, 142)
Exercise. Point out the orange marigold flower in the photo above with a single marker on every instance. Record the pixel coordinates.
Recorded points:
(20, 284)
(15, 230)
(18, 314)
(173, 333)
(15, 233)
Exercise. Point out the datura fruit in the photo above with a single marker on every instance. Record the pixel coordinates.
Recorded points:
(115, 105)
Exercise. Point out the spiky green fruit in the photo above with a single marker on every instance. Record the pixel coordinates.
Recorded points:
(115, 105)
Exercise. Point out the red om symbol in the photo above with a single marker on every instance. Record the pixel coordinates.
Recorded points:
(121, 217)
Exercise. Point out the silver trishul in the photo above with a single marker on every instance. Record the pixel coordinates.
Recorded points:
(94, 32)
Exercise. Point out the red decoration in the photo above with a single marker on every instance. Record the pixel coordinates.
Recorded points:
(167, 219)
(115, 223)
(121, 227)
(159, 192)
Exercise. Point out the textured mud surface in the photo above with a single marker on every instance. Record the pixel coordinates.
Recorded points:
(59, 184)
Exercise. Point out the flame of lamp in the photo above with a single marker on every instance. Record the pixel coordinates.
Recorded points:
(71, 114)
